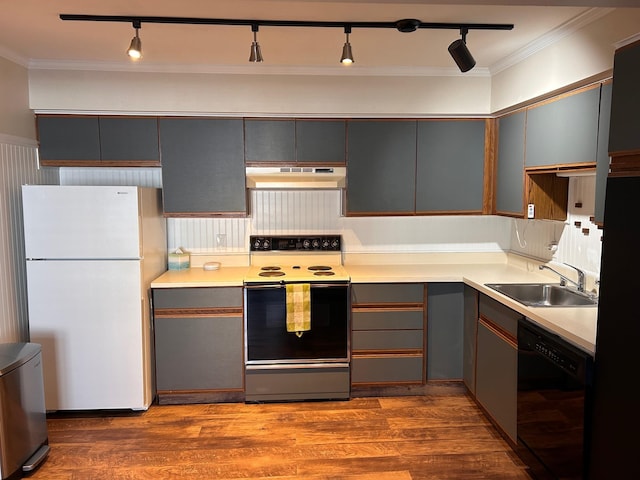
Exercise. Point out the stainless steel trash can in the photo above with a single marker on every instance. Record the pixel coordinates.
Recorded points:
(23, 419)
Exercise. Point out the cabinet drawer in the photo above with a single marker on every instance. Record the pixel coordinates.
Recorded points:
(387, 340)
(500, 315)
(197, 297)
(387, 369)
(388, 320)
(387, 293)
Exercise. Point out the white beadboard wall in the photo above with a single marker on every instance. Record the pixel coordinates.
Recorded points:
(318, 211)
(18, 166)
(580, 248)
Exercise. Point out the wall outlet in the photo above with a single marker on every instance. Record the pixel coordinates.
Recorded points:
(531, 210)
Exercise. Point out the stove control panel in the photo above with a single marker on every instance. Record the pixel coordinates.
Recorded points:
(328, 243)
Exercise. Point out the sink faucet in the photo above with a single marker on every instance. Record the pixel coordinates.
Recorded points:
(564, 280)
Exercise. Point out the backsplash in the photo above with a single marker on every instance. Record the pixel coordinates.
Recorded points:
(318, 211)
(578, 240)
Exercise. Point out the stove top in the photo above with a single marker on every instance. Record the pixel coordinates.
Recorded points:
(301, 259)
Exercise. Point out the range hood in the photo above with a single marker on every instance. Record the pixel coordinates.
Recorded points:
(291, 178)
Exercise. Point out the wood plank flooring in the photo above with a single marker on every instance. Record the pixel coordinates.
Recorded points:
(442, 436)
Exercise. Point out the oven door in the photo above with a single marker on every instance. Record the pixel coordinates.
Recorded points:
(267, 340)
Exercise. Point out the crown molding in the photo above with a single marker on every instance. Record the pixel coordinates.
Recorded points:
(568, 28)
(13, 57)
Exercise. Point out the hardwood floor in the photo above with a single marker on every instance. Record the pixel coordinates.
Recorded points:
(441, 436)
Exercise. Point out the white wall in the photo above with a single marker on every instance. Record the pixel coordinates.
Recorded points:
(586, 53)
(222, 94)
(15, 117)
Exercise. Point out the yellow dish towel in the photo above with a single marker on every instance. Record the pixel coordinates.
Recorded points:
(298, 308)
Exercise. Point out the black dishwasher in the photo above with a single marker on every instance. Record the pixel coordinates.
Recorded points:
(554, 385)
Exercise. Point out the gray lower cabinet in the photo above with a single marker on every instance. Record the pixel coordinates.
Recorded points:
(450, 166)
(445, 320)
(203, 170)
(198, 344)
(510, 165)
(388, 334)
(381, 167)
(497, 364)
(470, 336)
(563, 131)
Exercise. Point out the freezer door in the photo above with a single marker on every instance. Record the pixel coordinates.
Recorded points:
(91, 318)
(81, 222)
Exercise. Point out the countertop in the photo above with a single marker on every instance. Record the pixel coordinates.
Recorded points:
(575, 325)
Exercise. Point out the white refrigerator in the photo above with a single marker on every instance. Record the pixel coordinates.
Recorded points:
(91, 253)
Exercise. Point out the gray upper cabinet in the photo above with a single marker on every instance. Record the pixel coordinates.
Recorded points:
(132, 140)
(563, 131)
(321, 141)
(269, 140)
(510, 164)
(96, 141)
(602, 164)
(64, 138)
(450, 166)
(625, 101)
(381, 167)
(202, 166)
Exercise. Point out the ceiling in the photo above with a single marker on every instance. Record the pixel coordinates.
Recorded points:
(32, 34)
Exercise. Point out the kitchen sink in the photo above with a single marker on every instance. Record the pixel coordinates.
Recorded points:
(544, 294)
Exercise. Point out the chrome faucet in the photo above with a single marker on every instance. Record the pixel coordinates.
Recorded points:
(580, 284)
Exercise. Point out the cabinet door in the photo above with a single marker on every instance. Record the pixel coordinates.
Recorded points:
(381, 167)
(510, 164)
(198, 353)
(202, 166)
(470, 333)
(132, 140)
(68, 138)
(445, 320)
(497, 379)
(625, 101)
(321, 141)
(602, 163)
(269, 140)
(563, 131)
(450, 166)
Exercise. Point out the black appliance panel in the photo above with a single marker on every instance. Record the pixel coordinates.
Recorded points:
(268, 340)
(554, 383)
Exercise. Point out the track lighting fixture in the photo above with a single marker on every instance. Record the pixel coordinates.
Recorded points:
(256, 53)
(461, 54)
(135, 48)
(458, 49)
(347, 54)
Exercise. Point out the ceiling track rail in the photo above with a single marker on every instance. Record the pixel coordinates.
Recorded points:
(405, 25)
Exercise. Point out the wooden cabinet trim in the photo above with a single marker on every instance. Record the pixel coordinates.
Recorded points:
(499, 331)
(627, 165)
(387, 307)
(198, 312)
(387, 353)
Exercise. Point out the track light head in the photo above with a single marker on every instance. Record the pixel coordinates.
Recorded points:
(461, 54)
(347, 54)
(135, 47)
(256, 54)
